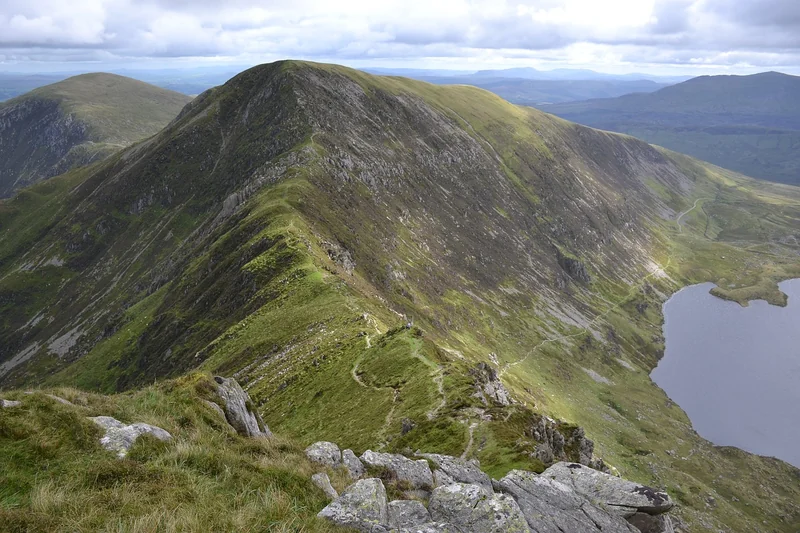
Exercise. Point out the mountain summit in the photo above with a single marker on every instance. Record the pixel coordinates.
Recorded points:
(392, 265)
(77, 121)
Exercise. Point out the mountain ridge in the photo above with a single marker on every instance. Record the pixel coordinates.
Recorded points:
(75, 122)
(343, 243)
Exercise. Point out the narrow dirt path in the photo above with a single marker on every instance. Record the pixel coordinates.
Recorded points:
(471, 440)
(680, 216)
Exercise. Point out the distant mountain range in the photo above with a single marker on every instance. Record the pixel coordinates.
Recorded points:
(83, 119)
(750, 124)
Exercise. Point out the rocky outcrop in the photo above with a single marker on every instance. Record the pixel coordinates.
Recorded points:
(469, 508)
(415, 475)
(325, 454)
(564, 499)
(620, 496)
(119, 438)
(353, 464)
(488, 387)
(322, 481)
(574, 268)
(558, 441)
(647, 523)
(239, 410)
(550, 506)
(362, 507)
(407, 514)
(453, 470)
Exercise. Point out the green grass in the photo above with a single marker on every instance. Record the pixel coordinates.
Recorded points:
(56, 476)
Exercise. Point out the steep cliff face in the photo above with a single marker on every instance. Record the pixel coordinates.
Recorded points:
(352, 247)
(76, 122)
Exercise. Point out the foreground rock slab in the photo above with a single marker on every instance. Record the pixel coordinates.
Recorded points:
(618, 495)
(407, 514)
(469, 508)
(454, 470)
(362, 507)
(550, 506)
(119, 437)
(417, 474)
(239, 410)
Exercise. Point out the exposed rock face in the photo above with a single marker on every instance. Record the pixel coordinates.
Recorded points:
(120, 437)
(431, 527)
(550, 506)
(469, 508)
(407, 514)
(239, 411)
(9, 403)
(325, 454)
(488, 386)
(562, 442)
(458, 470)
(362, 507)
(322, 481)
(647, 523)
(575, 268)
(417, 474)
(618, 495)
(353, 464)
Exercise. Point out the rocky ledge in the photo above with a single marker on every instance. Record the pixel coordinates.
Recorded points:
(444, 494)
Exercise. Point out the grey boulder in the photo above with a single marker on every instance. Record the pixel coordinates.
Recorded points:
(119, 437)
(9, 403)
(550, 506)
(325, 454)
(430, 527)
(362, 507)
(619, 495)
(647, 523)
(322, 481)
(416, 474)
(470, 508)
(451, 469)
(407, 514)
(353, 464)
(239, 411)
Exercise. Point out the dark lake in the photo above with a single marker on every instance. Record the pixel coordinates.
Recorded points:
(736, 370)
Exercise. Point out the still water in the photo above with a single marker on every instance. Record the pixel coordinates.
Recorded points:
(736, 370)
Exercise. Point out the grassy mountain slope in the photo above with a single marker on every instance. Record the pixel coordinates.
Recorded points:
(351, 247)
(750, 124)
(77, 121)
(56, 476)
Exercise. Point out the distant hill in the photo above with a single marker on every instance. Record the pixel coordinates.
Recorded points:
(750, 124)
(75, 122)
(535, 92)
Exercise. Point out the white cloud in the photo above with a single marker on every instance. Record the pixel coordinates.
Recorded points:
(611, 33)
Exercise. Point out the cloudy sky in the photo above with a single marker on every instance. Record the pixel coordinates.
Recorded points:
(656, 36)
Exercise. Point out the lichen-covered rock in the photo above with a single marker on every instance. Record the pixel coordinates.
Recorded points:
(452, 469)
(9, 403)
(417, 474)
(353, 464)
(325, 454)
(119, 437)
(216, 408)
(59, 399)
(430, 527)
(469, 508)
(362, 507)
(618, 495)
(322, 481)
(407, 513)
(647, 523)
(239, 411)
(550, 506)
